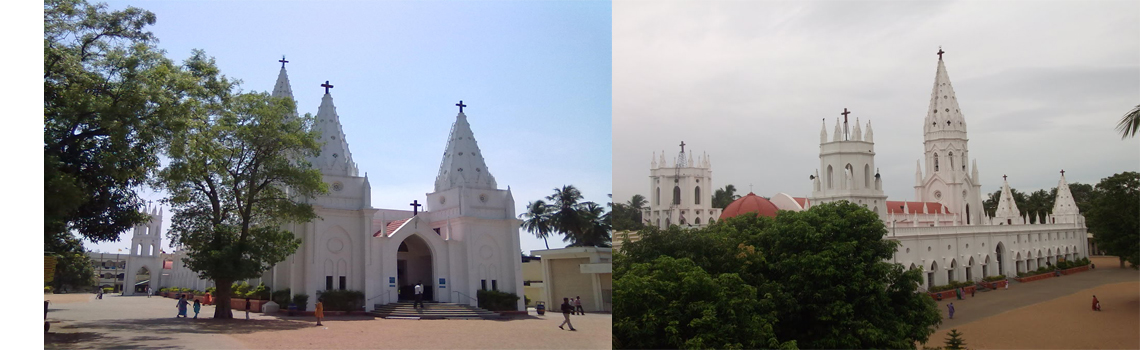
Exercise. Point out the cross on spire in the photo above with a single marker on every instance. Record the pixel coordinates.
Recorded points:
(682, 146)
(1004, 177)
(326, 86)
(940, 52)
(416, 207)
(283, 61)
(1062, 172)
(845, 113)
(461, 105)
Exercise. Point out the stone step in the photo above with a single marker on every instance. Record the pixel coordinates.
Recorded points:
(407, 310)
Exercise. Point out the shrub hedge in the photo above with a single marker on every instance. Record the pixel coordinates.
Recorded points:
(494, 300)
(341, 300)
(301, 300)
(281, 297)
(994, 278)
(951, 286)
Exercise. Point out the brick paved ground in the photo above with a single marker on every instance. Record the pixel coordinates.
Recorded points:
(149, 323)
(1053, 313)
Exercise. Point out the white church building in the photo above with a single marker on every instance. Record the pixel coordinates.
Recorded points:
(465, 239)
(946, 232)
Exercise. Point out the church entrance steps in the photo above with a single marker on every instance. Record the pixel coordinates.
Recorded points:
(431, 311)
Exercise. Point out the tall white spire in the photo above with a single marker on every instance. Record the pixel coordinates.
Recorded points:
(1064, 204)
(1007, 207)
(943, 113)
(335, 158)
(282, 88)
(463, 163)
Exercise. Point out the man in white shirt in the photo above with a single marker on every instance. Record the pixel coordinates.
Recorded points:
(419, 295)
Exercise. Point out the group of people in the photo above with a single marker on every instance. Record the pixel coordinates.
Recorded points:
(571, 307)
(182, 306)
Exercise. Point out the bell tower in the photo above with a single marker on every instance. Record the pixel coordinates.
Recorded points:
(847, 167)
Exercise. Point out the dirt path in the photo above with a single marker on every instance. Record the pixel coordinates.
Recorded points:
(1052, 314)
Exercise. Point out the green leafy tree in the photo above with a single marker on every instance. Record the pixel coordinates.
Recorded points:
(722, 197)
(672, 303)
(235, 179)
(1130, 123)
(595, 231)
(111, 100)
(538, 220)
(73, 269)
(1113, 218)
(955, 342)
(825, 271)
(565, 216)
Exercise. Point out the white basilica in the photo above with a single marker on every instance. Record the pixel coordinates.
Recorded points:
(945, 232)
(467, 239)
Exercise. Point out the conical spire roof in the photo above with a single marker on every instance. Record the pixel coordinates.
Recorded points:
(335, 158)
(1064, 203)
(463, 163)
(282, 88)
(943, 113)
(1006, 207)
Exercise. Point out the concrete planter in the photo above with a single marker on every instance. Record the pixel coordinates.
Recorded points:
(995, 284)
(239, 304)
(950, 294)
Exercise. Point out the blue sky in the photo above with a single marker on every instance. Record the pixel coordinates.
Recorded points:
(535, 77)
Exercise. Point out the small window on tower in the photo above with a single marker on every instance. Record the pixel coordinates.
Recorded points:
(328, 283)
(343, 283)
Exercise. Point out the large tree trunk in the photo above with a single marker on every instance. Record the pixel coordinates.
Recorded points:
(222, 292)
(1122, 262)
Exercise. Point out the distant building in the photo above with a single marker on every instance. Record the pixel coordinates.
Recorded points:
(585, 272)
(110, 270)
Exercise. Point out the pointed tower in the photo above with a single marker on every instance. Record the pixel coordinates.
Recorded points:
(948, 180)
(282, 88)
(335, 158)
(1065, 209)
(463, 164)
(144, 264)
(1006, 212)
(846, 170)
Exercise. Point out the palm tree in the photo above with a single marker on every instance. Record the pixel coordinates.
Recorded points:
(565, 218)
(635, 205)
(596, 226)
(1130, 123)
(537, 220)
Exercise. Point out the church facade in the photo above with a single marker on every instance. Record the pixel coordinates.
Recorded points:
(465, 238)
(945, 232)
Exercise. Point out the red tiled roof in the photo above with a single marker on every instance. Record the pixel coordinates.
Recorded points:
(802, 201)
(749, 204)
(896, 207)
(392, 226)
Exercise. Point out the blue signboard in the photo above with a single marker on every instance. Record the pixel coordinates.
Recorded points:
(442, 281)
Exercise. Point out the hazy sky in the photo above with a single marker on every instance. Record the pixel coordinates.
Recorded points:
(1041, 85)
(535, 77)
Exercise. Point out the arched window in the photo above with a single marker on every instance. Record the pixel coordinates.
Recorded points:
(657, 197)
(936, 162)
(829, 177)
(963, 162)
(677, 195)
(697, 197)
(697, 221)
(682, 220)
(849, 173)
(866, 176)
(951, 158)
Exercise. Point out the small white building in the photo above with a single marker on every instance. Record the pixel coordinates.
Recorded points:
(585, 272)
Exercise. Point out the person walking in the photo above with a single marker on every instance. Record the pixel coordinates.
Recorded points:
(149, 292)
(247, 306)
(578, 306)
(1007, 284)
(950, 307)
(100, 295)
(197, 307)
(1095, 304)
(419, 295)
(181, 307)
(319, 311)
(566, 311)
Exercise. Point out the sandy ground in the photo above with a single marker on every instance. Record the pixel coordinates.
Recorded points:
(1062, 322)
(531, 332)
(70, 298)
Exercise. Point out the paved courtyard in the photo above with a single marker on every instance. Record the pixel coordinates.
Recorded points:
(117, 322)
(1053, 313)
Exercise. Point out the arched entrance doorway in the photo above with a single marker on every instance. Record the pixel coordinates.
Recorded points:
(142, 280)
(999, 257)
(930, 275)
(414, 266)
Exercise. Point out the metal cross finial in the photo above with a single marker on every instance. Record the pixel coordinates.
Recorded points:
(845, 113)
(326, 86)
(1062, 172)
(416, 207)
(682, 146)
(940, 52)
(283, 61)
(1003, 177)
(461, 105)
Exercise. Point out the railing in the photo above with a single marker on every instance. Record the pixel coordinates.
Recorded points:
(386, 293)
(468, 297)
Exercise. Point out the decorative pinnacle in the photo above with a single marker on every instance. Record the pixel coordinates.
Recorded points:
(940, 52)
